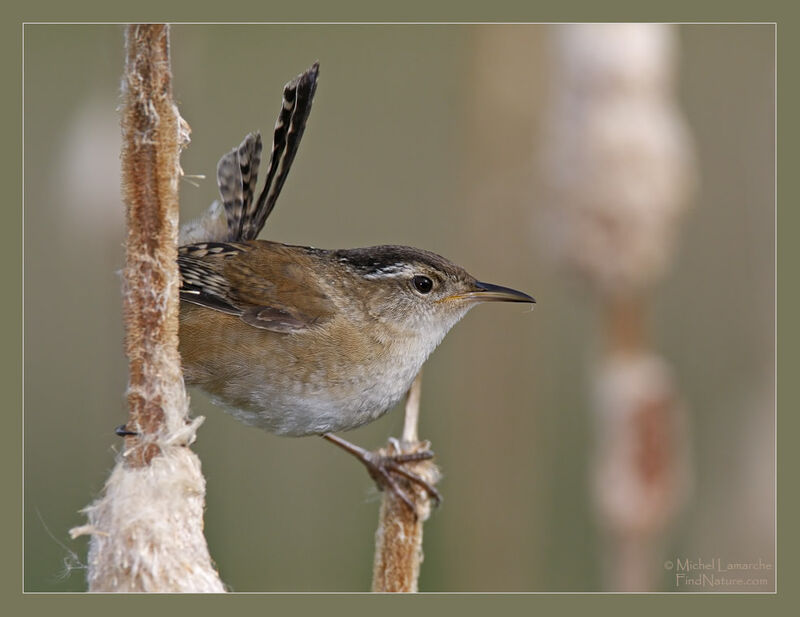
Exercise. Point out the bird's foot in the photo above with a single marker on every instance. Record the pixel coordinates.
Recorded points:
(383, 465)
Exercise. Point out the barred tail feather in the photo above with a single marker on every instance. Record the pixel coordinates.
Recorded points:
(298, 95)
(237, 171)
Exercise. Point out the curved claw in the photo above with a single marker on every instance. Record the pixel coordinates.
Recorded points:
(381, 466)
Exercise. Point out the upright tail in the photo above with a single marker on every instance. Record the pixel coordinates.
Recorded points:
(237, 171)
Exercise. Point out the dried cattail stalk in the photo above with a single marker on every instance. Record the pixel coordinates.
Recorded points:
(641, 463)
(147, 527)
(154, 134)
(618, 159)
(398, 539)
(618, 171)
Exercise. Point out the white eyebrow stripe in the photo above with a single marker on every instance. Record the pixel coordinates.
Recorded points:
(395, 270)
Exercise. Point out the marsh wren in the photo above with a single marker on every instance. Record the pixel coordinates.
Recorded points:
(305, 341)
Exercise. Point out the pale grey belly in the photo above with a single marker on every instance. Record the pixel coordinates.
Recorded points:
(317, 406)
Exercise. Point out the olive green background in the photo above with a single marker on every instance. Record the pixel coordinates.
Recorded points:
(406, 144)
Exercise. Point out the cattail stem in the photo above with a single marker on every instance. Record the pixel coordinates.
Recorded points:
(411, 421)
(625, 323)
(147, 528)
(153, 134)
(398, 539)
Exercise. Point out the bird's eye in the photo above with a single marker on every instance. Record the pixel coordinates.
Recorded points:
(422, 284)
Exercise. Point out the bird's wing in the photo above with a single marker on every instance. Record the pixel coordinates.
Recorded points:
(266, 289)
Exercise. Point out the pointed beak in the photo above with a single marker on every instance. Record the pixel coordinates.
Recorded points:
(486, 292)
(495, 293)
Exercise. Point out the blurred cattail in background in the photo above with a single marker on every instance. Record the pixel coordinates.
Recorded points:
(618, 171)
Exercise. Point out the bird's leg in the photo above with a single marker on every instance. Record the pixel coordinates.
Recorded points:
(380, 467)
